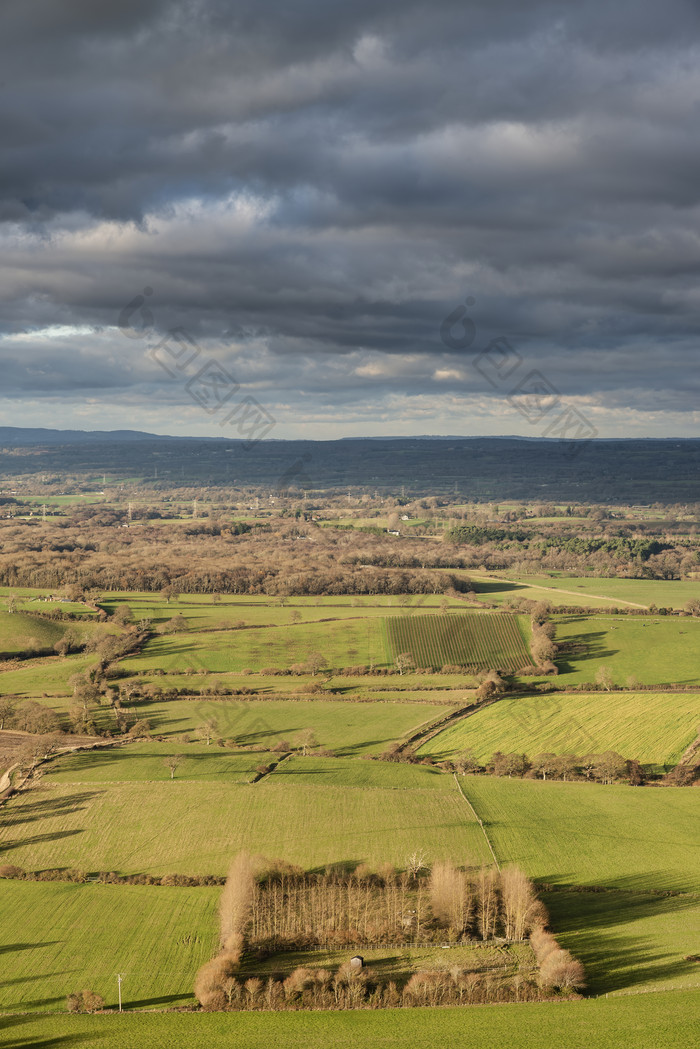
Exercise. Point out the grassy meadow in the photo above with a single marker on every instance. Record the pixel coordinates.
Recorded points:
(23, 632)
(634, 838)
(156, 935)
(189, 827)
(652, 727)
(629, 940)
(649, 1021)
(592, 591)
(655, 650)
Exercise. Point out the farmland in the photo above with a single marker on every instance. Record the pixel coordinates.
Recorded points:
(97, 930)
(192, 827)
(629, 940)
(574, 590)
(20, 632)
(342, 642)
(478, 642)
(578, 723)
(124, 809)
(667, 1020)
(586, 834)
(654, 650)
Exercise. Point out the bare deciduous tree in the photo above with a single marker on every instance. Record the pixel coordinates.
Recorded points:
(7, 710)
(404, 661)
(207, 729)
(306, 740)
(173, 762)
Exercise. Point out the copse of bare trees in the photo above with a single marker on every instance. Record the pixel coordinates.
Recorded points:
(279, 906)
(542, 644)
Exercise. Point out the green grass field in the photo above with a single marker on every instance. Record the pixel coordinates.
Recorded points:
(657, 650)
(664, 593)
(649, 1021)
(49, 674)
(652, 727)
(58, 937)
(192, 827)
(479, 642)
(203, 613)
(144, 762)
(342, 643)
(343, 726)
(346, 772)
(588, 834)
(592, 591)
(29, 599)
(499, 589)
(629, 940)
(22, 632)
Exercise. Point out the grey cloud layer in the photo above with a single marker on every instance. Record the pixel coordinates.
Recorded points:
(309, 189)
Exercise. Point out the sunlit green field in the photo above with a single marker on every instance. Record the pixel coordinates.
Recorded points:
(650, 1021)
(656, 650)
(651, 727)
(629, 940)
(588, 834)
(341, 643)
(22, 632)
(59, 937)
(196, 827)
(147, 762)
(345, 727)
(203, 612)
(592, 591)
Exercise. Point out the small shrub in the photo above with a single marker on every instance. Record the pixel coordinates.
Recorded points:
(85, 1002)
(9, 870)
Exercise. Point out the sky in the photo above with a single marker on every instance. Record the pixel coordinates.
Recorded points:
(350, 219)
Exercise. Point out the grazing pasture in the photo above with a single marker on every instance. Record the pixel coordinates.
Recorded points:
(341, 642)
(23, 632)
(652, 727)
(592, 591)
(587, 834)
(145, 762)
(190, 827)
(629, 940)
(653, 649)
(57, 937)
(347, 728)
(479, 642)
(202, 612)
(664, 1021)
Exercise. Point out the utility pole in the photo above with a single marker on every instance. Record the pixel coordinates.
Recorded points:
(43, 513)
(129, 510)
(120, 977)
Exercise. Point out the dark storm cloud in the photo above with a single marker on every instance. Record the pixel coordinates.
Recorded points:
(310, 188)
